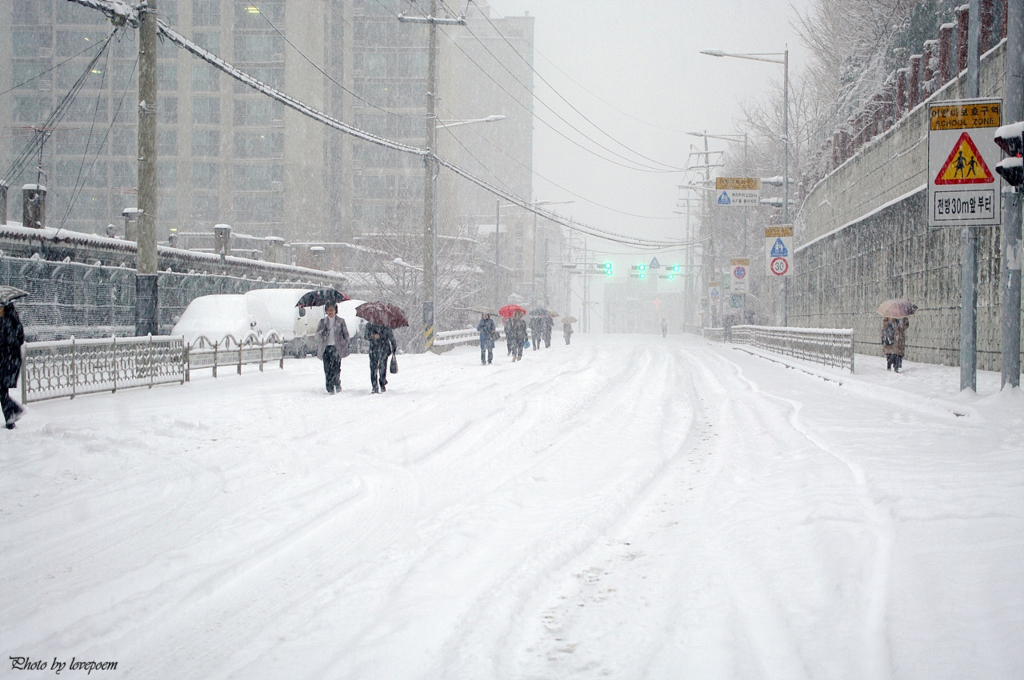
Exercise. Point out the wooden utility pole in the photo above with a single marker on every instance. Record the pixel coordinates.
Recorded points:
(146, 293)
(431, 168)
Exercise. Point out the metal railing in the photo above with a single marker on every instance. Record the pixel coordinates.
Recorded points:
(67, 368)
(229, 351)
(466, 336)
(828, 346)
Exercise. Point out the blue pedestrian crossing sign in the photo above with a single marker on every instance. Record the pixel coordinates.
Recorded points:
(723, 198)
(779, 249)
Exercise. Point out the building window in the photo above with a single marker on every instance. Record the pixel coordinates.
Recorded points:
(167, 110)
(258, 112)
(27, 42)
(205, 78)
(166, 174)
(124, 175)
(259, 144)
(258, 208)
(255, 15)
(166, 142)
(205, 207)
(70, 43)
(206, 111)
(30, 109)
(206, 13)
(259, 177)
(166, 77)
(274, 77)
(204, 175)
(206, 143)
(124, 142)
(259, 48)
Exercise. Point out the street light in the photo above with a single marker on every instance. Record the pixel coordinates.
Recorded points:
(772, 58)
(493, 118)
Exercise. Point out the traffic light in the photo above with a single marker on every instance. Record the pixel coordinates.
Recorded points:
(642, 268)
(1010, 139)
(676, 268)
(608, 268)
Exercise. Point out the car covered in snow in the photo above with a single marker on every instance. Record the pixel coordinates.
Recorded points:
(260, 311)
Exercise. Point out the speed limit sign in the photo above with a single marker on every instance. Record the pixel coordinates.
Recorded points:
(779, 250)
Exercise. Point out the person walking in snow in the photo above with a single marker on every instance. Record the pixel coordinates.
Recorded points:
(536, 331)
(486, 330)
(508, 336)
(332, 346)
(894, 341)
(12, 337)
(567, 331)
(382, 345)
(549, 324)
(517, 333)
(664, 328)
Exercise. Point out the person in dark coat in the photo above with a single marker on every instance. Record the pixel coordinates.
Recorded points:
(517, 332)
(664, 328)
(486, 330)
(548, 324)
(12, 337)
(536, 331)
(894, 342)
(382, 345)
(567, 331)
(332, 346)
(508, 335)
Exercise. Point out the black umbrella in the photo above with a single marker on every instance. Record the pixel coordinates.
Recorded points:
(10, 293)
(319, 298)
(540, 311)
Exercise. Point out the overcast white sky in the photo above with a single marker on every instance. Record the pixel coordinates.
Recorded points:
(644, 59)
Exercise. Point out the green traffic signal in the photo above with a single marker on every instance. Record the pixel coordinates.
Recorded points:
(675, 267)
(607, 265)
(642, 267)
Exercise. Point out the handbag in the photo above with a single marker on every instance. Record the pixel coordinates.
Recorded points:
(526, 344)
(394, 364)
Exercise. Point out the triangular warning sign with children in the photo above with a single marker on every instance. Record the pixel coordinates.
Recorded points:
(964, 165)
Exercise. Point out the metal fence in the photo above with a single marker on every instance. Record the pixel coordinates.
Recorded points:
(829, 346)
(66, 368)
(229, 351)
(445, 340)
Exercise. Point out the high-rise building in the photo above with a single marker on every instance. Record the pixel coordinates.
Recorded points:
(228, 154)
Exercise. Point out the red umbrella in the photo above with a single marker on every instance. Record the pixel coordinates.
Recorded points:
(383, 313)
(508, 311)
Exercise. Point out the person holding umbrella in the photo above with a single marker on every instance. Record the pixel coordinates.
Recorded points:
(549, 324)
(12, 337)
(381, 318)
(332, 346)
(567, 323)
(517, 330)
(895, 323)
(486, 330)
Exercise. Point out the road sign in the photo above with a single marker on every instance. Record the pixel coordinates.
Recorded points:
(963, 190)
(740, 274)
(654, 264)
(714, 294)
(737, 192)
(779, 250)
(737, 300)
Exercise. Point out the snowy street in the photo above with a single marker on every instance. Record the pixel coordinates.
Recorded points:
(627, 507)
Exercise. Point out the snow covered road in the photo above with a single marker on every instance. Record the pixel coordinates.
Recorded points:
(627, 507)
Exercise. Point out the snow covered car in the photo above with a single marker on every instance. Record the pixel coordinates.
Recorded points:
(260, 311)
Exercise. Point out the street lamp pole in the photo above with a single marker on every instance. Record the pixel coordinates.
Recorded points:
(768, 57)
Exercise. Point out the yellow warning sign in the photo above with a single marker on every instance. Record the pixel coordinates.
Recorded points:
(776, 232)
(738, 183)
(964, 165)
(965, 115)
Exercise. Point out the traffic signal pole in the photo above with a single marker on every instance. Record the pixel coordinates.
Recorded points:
(968, 240)
(1013, 109)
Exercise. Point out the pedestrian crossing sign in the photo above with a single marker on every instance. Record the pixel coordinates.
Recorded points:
(779, 249)
(724, 199)
(964, 165)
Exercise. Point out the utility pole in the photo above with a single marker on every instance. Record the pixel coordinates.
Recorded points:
(1013, 111)
(431, 170)
(146, 279)
(497, 254)
(969, 250)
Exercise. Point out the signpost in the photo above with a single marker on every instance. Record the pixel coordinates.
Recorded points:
(737, 192)
(740, 275)
(963, 187)
(779, 250)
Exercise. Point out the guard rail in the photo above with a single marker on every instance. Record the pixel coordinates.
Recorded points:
(828, 346)
(229, 351)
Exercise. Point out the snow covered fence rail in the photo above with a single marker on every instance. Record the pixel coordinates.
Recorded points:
(229, 351)
(445, 340)
(829, 346)
(66, 368)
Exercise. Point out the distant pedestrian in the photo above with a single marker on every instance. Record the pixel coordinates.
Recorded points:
(487, 334)
(332, 346)
(549, 324)
(567, 332)
(664, 328)
(12, 337)
(894, 341)
(508, 336)
(517, 333)
(536, 331)
(382, 345)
